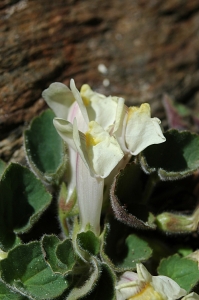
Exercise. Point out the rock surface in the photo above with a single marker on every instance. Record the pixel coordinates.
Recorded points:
(138, 49)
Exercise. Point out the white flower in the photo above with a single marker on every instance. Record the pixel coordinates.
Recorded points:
(191, 296)
(97, 152)
(99, 130)
(143, 286)
(137, 130)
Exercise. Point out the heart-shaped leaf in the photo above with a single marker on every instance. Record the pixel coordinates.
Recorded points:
(176, 158)
(23, 199)
(183, 270)
(137, 250)
(45, 149)
(59, 254)
(122, 250)
(89, 242)
(30, 273)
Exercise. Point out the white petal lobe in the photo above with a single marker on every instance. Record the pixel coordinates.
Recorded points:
(59, 97)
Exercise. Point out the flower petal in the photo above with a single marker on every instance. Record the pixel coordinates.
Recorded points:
(191, 296)
(104, 152)
(128, 277)
(60, 98)
(120, 125)
(100, 108)
(75, 113)
(79, 100)
(80, 143)
(71, 172)
(143, 273)
(65, 130)
(128, 286)
(120, 113)
(123, 293)
(146, 285)
(167, 287)
(141, 129)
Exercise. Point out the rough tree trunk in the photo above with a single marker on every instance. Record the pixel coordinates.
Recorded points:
(149, 48)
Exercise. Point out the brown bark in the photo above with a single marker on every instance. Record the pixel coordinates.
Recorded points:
(149, 48)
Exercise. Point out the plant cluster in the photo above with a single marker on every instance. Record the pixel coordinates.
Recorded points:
(107, 201)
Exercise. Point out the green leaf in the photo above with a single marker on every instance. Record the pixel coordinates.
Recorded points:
(176, 158)
(184, 251)
(2, 167)
(126, 198)
(49, 245)
(65, 254)
(89, 242)
(85, 283)
(121, 250)
(7, 294)
(182, 270)
(137, 250)
(45, 149)
(25, 270)
(59, 255)
(23, 199)
(105, 287)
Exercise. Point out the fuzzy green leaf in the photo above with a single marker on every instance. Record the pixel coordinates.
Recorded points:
(137, 250)
(105, 287)
(126, 198)
(183, 270)
(89, 242)
(121, 250)
(176, 158)
(30, 274)
(86, 281)
(59, 255)
(45, 149)
(23, 198)
(65, 254)
(7, 294)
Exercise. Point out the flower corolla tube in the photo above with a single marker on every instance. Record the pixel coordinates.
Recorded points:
(100, 132)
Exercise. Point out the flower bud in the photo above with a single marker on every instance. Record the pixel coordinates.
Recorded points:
(175, 223)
